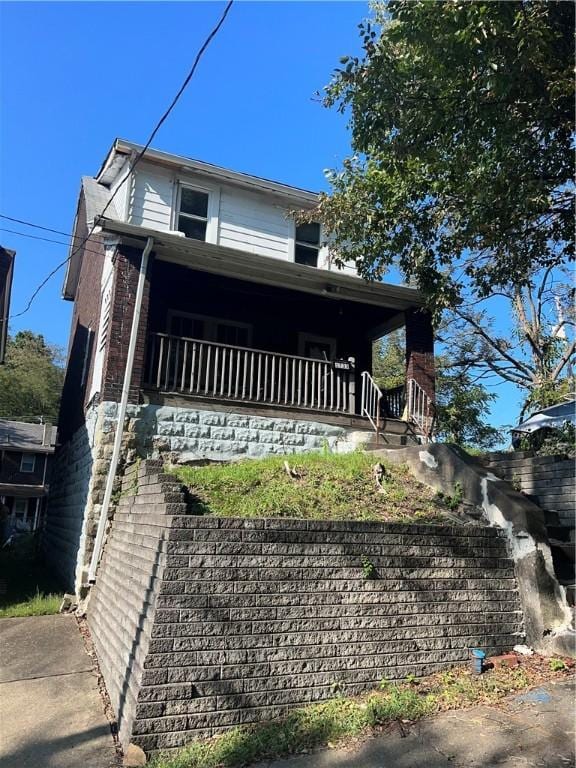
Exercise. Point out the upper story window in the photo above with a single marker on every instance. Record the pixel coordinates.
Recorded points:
(27, 462)
(193, 213)
(307, 244)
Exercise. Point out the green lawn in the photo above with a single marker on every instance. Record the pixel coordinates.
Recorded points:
(26, 587)
(319, 486)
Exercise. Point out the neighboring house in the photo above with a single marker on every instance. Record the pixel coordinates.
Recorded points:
(25, 455)
(249, 340)
(6, 271)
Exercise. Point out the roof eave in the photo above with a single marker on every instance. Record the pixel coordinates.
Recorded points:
(264, 269)
(304, 197)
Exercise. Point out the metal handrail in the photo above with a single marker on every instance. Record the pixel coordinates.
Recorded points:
(371, 399)
(420, 408)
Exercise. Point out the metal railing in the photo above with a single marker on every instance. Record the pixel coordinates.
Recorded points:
(394, 402)
(420, 408)
(370, 404)
(188, 366)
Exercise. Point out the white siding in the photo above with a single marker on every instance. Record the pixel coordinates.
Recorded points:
(252, 223)
(151, 198)
(104, 322)
(239, 219)
(121, 196)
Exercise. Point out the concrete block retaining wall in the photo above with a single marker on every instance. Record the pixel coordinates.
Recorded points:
(549, 480)
(204, 623)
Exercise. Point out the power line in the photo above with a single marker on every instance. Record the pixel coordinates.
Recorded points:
(140, 155)
(44, 239)
(36, 226)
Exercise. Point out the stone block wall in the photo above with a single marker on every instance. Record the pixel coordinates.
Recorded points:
(204, 433)
(549, 480)
(204, 623)
(77, 485)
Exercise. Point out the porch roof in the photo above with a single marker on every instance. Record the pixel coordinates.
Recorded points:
(230, 262)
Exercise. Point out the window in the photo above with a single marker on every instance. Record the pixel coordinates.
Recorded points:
(210, 329)
(307, 244)
(20, 508)
(28, 462)
(193, 213)
(25, 514)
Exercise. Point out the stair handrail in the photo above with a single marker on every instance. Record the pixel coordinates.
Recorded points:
(420, 409)
(371, 398)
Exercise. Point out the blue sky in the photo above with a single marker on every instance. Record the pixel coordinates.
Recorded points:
(76, 75)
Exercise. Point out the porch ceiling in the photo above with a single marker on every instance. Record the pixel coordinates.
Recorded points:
(238, 264)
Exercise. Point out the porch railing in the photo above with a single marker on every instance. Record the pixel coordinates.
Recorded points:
(371, 400)
(207, 369)
(394, 402)
(420, 409)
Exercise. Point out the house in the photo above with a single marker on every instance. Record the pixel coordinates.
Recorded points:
(25, 454)
(226, 325)
(6, 272)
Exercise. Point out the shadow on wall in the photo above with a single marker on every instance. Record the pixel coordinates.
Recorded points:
(65, 532)
(139, 641)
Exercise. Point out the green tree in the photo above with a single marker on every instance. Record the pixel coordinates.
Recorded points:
(462, 122)
(462, 404)
(30, 379)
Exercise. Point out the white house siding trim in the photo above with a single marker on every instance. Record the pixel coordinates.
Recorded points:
(104, 321)
(151, 199)
(251, 223)
(121, 190)
(243, 220)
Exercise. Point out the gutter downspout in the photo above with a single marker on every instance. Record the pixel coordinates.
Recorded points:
(121, 414)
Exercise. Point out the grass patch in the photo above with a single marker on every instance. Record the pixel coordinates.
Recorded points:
(343, 718)
(325, 487)
(28, 589)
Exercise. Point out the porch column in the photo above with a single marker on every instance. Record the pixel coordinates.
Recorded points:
(420, 350)
(126, 269)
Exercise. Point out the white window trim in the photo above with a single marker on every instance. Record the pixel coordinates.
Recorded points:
(25, 455)
(303, 338)
(211, 323)
(213, 193)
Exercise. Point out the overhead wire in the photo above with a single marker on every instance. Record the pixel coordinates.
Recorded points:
(36, 226)
(138, 158)
(44, 239)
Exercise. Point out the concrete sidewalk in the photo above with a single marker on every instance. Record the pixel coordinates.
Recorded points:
(534, 730)
(51, 712)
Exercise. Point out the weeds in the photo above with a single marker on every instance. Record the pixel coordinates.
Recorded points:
(344, 717)
(557, 665)
(324, 486)
(368, 568)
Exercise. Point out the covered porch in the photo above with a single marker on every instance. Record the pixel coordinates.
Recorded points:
(228, 326)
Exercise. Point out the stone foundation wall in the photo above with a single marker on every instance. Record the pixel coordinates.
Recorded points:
(205, 433)
(204, 623)
(77, 487)
(550, 481)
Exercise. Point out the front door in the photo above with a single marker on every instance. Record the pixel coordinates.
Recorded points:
(316, 347)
